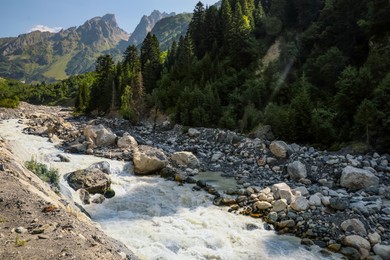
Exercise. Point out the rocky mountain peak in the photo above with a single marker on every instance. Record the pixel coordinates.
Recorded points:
(98, 28)
(146, 25)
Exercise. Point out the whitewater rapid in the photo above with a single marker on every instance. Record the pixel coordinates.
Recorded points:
(158, 219)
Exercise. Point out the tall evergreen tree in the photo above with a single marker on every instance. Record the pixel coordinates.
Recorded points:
(226, 23)
(103, 90)
(197, 29)
(151, 64)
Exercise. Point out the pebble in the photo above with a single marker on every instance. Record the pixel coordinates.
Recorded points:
(43, 237)
(21, 230)
(307, 241)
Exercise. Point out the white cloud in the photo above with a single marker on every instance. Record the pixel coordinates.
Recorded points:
(44, 28)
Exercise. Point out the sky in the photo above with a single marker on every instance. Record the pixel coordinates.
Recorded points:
(22, 16)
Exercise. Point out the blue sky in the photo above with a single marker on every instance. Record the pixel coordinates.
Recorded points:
(20, 16)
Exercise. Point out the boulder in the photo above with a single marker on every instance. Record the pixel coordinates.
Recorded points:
(216, 156)
(286, 223)
(99, 135)
(187, 159)
(302, 189)
(339, 203)
(97, 198)
(354, 178)
(282, 191)
(279, 205)
(351, 253)
(354, 225)
(357, 242)
(374, 238)
(261, 205)
(127, 141)
(103, 166)
(77, 148)
(92, 180)
(383, 251)
(192, 132)
(84, 195)
(300, 204)
(148, 160)
(297, 170)
(280, 149)
(315, 200)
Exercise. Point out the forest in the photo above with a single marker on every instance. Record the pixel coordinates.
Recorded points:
(327, 84)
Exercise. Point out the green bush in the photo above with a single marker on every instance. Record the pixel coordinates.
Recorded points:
(9, 102)
(50, 176)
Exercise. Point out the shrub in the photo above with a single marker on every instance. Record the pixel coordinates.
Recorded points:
(50, 176)
(9, 102)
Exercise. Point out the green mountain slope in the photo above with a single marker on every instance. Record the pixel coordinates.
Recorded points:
(170, 29)
(44, 56)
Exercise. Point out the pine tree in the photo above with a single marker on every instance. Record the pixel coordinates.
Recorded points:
(82, 98)
(127, 105)
(211, 28)
(132, 66)
(197, 29)
(226, 23)
(103, 89)
(150, 62)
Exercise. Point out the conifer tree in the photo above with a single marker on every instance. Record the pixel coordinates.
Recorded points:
(226, 22)
(104, 87)
(197, 29)
(150, 62)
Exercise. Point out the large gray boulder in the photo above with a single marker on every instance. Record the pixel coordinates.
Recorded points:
(354, 178)
(357, 242)
(187, 159)
(192, 132)
(282, 191)
(300, 204)
(383, 251)
(92, 180)
(148, 160)
(354, 225)
(99, 135)
(103, 166)
(280, 149)
(297, 170)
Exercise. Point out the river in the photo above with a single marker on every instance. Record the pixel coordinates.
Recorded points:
(158, 219)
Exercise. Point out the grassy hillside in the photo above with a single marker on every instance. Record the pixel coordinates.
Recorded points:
(57, 69)
(42, 56)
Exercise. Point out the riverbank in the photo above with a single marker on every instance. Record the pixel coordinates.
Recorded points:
(295, 189)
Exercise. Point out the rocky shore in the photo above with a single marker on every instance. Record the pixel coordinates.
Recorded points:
(338, 201)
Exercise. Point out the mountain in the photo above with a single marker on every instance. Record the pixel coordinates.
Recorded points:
(146, 25)
(170, 29)
(45, 56)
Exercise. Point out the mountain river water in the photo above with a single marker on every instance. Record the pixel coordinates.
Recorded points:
(158, 219)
